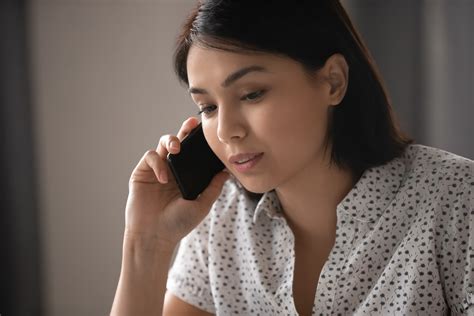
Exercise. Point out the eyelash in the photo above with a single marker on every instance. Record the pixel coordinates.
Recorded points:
(259, 93)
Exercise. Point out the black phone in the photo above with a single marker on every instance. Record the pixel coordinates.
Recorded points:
(195, 165)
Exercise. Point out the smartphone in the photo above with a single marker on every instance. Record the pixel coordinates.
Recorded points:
(195, 165)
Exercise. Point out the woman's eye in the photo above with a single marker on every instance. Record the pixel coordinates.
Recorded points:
(253, 96)
(207, 110)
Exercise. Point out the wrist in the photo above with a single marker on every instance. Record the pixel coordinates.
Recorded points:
(147, 243)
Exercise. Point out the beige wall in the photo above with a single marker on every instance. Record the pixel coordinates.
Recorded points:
(103, 93)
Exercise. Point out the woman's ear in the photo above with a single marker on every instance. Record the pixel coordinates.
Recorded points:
(336, 74)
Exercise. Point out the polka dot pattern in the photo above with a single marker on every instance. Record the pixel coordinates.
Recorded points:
(404, 246)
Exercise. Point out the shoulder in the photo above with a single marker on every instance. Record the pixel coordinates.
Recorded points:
(446, 183)
(438, 166)
(440, 179)
(442, 184)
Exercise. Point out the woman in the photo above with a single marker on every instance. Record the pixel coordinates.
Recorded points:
(326, 208)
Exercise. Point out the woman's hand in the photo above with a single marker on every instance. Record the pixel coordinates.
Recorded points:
(155, 208)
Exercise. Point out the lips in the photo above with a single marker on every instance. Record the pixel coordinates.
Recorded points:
(248, 162)
(243, 157)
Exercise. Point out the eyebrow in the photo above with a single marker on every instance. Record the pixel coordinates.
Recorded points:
(232, 78)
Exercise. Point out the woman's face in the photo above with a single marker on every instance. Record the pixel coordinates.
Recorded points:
(273, 109)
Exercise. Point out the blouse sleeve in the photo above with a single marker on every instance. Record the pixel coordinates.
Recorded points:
(188, 277)
(457, 267)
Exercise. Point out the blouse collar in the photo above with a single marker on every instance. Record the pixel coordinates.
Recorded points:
(365, 202)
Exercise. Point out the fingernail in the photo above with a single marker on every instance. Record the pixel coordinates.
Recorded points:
(163, 176)
(174, 144)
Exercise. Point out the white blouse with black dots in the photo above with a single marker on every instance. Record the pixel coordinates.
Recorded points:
(404, 246)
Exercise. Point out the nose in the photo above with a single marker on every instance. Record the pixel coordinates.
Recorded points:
(230, 127)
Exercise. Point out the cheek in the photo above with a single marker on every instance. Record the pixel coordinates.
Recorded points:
(296, 119)
(297, 133)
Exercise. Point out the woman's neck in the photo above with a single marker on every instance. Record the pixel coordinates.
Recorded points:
(309, 200)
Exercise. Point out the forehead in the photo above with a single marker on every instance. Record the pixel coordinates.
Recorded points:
(197, 52)
(204, 63)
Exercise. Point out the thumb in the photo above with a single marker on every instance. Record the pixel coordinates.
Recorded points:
(211, 193)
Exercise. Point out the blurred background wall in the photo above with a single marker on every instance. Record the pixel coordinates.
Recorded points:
(86, 87)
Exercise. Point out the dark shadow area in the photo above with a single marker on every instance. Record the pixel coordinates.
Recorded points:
(20, 283)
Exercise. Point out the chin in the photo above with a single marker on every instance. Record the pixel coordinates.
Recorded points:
(256, 185)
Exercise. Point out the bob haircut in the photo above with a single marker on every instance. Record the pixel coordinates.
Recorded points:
(362, 129)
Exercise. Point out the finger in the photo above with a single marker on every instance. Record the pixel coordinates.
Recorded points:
(148, 162)
(162, 151)
(168, 144)
(151, 161)
(163, 170)
(187, 127)
(172, 144)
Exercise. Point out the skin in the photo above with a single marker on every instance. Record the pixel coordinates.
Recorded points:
(287, 122)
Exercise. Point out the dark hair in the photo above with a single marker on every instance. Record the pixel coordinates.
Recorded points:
(362, 129)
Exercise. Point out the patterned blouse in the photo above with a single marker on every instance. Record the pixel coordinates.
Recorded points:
(404, 246)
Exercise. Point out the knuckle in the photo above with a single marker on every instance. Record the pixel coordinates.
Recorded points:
(151, 156)
(164, 138)
(163, 143)
(150, 152)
